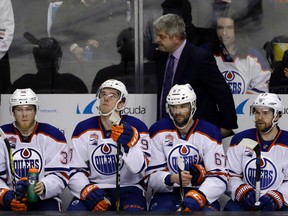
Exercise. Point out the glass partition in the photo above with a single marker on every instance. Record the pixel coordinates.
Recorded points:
(100, 39)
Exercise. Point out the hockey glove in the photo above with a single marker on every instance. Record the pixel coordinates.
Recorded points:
(125, 134)
(8, 201)
(198, 173)
(94, 198)
(194, 200)
(22, 188)
(271, 201)
(246, 197)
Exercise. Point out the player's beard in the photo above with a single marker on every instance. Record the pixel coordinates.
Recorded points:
(27, 128)
(181, 123)
(263, 127)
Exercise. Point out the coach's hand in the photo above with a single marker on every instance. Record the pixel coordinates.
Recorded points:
(8, 201)
(125, 134)
(94, 198)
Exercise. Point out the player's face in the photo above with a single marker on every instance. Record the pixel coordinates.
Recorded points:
(108, 99)
(225, 31)
(180, 113)
(24, 116)
(263, 119)
(165, 42)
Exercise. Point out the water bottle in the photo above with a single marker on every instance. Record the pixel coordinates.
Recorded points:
(33, 177)
(88, 53)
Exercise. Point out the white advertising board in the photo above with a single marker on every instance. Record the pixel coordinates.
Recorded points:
(66, 110)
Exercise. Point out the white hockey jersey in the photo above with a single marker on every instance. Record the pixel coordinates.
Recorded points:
(202, 145)
(95, 156)
(46, 149)
(274, 163)
(245, 75)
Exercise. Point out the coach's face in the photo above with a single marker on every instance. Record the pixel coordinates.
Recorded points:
(167, 43)
(24, 116)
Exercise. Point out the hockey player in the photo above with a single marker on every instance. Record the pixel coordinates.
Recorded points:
(33, 145)
(195, 141)
(270, 143)
(95, 142)
(244, 69)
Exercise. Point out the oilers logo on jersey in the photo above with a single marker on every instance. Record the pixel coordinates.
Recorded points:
(268, 173)
(235, 81)
(188, 152)
(25, 158)
(104, 159)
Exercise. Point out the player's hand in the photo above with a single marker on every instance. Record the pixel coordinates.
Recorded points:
(78, 52)
(92, 43)
(39, 188)
(8, 201)
(94, 198)
(246, 197)
(271, 201)
(21, 188)
(125, 134)
(198, 173)
(194, 200)
(185, 175)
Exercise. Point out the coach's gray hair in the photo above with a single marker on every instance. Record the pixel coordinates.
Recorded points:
(171, 24)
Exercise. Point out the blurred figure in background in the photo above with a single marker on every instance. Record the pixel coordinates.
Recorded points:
(243, 67)
(47, 55)
(6, 36)
(90, 24)
(277, 55)
(125, 71)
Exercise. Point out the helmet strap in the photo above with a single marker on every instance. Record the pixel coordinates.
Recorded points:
(193, 110)
(114, 109)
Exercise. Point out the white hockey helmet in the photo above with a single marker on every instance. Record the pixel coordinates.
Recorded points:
(269, 100)
(23, 97)
(181, 94)
(114, 84)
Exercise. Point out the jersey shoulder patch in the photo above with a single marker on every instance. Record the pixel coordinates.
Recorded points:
(87, 124)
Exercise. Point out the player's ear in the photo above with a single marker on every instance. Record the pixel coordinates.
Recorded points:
(177, 37)
(120, 105)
